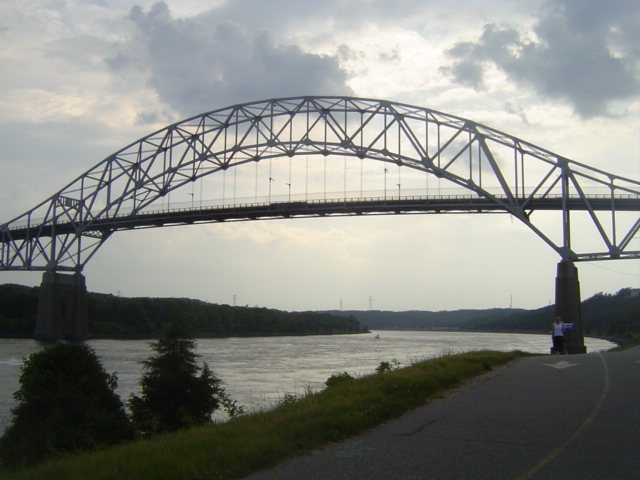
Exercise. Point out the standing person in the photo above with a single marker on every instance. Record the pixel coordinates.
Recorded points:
(557, 335)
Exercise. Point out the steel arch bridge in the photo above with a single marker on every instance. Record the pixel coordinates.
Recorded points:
(496, 172)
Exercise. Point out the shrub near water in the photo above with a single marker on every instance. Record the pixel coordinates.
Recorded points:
(66, 403)
(256, 441)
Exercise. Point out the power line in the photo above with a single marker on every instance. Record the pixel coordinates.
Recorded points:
(630, 274)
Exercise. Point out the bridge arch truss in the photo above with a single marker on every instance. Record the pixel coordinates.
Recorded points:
(499, 173)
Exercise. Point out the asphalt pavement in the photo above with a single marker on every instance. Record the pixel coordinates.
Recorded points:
(540, 418)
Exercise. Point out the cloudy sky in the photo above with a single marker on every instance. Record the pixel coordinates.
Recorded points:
(82, 79)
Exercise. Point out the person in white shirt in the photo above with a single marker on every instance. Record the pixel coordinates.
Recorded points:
(557, 335)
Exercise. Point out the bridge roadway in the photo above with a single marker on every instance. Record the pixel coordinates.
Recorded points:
(314, 208)
(541, 418)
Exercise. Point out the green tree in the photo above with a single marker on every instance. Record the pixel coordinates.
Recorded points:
(176, 391)
(66, 402)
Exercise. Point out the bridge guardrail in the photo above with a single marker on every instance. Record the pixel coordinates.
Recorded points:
(280, 204)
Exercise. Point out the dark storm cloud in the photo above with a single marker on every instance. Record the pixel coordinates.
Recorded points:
(196, 66)
(586, 53)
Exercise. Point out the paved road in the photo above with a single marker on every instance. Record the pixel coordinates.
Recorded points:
(542, 418)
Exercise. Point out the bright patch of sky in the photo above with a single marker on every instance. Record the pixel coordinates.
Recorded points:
(83, 79)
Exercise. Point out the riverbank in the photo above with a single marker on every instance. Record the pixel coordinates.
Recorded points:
(299, 424)
(150, 338)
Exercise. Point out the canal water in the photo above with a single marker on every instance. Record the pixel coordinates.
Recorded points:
(258, 372)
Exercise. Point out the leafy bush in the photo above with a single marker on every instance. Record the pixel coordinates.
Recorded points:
(338, 379)
(66, 402)
(388, 366)
(288, 399)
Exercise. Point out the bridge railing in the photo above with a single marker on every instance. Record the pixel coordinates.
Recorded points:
(316, 199)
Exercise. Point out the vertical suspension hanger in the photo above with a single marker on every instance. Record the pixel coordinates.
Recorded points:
(325, 178)
(470, 147)
(324, 189)
(479, 165)
(344, 158)
(289, 184)
(224, 184)
(270, 177)
(398, 121)
(235, 183)
(361, 154)
(255, 185)
(361, 176)
(426, 152)
(426, 182)
(439, 178)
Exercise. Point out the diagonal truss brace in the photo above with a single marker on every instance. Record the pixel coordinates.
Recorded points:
(64, 231)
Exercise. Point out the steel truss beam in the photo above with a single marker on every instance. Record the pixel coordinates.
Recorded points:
(500, 173)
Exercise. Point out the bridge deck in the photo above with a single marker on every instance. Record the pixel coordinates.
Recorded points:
(312, 208)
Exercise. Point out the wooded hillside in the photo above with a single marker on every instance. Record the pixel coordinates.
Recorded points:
(610, 315)
(112, 316)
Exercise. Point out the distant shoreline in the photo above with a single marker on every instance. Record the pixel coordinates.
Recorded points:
(144, 336)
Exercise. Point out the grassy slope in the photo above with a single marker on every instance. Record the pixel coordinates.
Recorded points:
(256, 441)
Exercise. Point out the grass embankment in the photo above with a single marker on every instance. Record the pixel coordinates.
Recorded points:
(256, 441)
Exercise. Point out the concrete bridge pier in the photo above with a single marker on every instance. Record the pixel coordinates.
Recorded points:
(568, 306)
(62, 307)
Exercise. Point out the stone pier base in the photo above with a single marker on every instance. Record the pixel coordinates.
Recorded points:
(62, 307)
(568, 306)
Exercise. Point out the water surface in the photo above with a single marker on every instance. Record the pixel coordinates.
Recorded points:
(258, 372)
